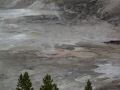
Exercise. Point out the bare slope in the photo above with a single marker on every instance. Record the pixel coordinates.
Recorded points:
(15, 3)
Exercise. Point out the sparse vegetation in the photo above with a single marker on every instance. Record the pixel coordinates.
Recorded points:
(24, 83)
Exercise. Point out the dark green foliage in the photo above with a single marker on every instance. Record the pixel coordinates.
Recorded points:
(48, 84)
(88, 86)
(24, 82)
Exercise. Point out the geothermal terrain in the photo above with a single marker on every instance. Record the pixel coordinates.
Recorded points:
(34, 37)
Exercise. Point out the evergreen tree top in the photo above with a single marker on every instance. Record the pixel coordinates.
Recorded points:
(24, 82)
(88, 85)
(48, 84)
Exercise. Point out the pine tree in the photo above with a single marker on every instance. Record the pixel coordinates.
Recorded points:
(88, 86)
(48, 84)
(24, 82)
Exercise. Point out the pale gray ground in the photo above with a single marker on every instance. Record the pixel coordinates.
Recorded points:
(70, 53)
